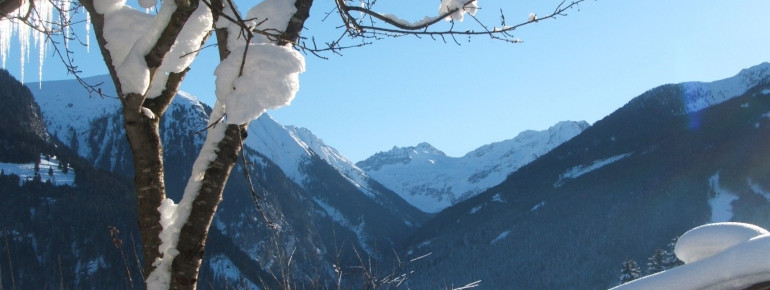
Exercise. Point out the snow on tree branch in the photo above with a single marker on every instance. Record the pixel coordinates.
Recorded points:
(133, 42)
(257, 74)
(449, 10)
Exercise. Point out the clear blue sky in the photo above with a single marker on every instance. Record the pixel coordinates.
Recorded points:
(458, 97)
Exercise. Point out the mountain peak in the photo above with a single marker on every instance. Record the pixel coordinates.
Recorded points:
(700, 95)
(432, 181)
(401, 155)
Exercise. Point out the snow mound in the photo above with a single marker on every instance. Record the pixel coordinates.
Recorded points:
(711, 239)
(717, 256)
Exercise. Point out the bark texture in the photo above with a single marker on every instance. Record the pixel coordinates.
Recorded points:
(192, 238)
(142, 131)
(143, 135)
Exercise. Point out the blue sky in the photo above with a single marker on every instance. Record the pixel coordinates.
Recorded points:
(402, 91)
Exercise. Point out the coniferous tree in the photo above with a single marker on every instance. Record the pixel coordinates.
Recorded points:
(655, 263)
(670, 260)
(629, 271)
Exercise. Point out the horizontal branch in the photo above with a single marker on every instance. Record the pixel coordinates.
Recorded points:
(422, 28)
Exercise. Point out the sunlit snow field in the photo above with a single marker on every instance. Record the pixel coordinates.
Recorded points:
(26, 171)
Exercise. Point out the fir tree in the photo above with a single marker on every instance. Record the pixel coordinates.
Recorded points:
(656, 263)
(670, 260)
(629, 271)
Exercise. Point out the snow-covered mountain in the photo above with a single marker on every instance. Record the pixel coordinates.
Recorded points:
(671, 159)
(432, 181)
(318, 198)
(290, 147)
(700, 95)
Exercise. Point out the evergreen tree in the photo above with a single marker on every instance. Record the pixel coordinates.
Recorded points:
(669, 259)
(656, 262)
(629, 271)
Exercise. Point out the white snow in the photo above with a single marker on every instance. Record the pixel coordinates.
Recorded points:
(223, 267)
(38, 21)
(717, 256)
(476, 209)
(26, 171)
(756, 188)
(721, 201)
(707, 240)
(148, 113)
(765, 92)
(538, 206)
(532, 17)
(431, 181)
(463, 6)
(130, 34)
(396, 19)
(291, 148)
(174, 216)
(269, 79)
(499, 237)
(580, 170)
(358, 229)
(68, 111)
(699, 95)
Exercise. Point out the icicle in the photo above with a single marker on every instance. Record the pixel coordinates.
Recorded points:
(64, 11)
(24, 32)
(6, 31)
(88, 30)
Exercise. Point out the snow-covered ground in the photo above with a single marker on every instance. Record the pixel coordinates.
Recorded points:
(579, 170)
(721, 201)
(26, 171)
(717, 256)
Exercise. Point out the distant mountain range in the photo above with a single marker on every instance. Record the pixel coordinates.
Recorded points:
(428, 179)
(559, 208)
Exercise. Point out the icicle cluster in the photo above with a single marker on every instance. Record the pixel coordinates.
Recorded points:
(31, 25)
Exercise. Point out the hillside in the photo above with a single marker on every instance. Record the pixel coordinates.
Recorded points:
(621, 189)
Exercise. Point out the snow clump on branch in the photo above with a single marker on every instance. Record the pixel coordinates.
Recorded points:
(270, 79)
(462, 7)
(258, 75)
(131, 34)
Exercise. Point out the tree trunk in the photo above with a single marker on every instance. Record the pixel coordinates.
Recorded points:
(144, 139)
(192, 237)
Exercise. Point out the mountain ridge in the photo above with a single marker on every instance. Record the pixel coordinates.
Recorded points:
(432, 181)
(620, 190)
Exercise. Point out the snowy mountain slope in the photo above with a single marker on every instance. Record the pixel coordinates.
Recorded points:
(619, 190)
(290, 147)
(314, 199)
(694, 96)
(432, 181)
(70, 113)
(49, 170)
(348, 197)
(700, 95)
